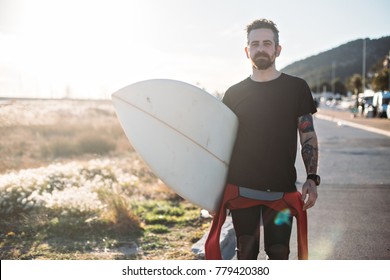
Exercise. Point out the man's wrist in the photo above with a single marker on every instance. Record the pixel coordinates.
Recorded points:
(315, 178)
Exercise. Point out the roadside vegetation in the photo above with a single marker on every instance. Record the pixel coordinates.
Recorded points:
(71, 187)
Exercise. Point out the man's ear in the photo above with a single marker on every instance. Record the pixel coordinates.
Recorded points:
(247, 52)
(278, 50)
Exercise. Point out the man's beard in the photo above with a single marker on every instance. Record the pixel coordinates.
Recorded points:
(262, 61)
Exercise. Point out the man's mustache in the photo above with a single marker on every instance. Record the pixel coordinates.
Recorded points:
(261, 55)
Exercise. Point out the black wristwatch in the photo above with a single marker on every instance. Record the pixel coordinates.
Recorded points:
(315, 178)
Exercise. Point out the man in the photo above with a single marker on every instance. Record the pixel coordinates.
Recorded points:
(271, 107)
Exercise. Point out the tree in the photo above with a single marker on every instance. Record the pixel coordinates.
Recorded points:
(380, 82)
(325, 86)
(355, 83)
(314, 88)
(339, 87)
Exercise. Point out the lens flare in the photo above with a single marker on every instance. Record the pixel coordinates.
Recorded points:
(283, 217)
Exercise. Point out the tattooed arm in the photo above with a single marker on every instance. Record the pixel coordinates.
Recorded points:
(309, 146)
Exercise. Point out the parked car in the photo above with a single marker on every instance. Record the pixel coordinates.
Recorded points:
(365, 104)
(383, 102)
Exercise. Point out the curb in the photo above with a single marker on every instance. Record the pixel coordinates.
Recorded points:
(353, 124)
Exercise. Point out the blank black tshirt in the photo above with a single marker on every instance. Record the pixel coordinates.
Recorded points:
(266, 146)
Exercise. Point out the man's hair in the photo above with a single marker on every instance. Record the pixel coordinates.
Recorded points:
(263, 23)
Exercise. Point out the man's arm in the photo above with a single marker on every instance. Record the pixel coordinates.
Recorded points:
(309, 146)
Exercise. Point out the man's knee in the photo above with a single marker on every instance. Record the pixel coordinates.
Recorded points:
(247, 247)
(278, 252)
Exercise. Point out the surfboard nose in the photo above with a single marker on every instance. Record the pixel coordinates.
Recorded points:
(183, 133)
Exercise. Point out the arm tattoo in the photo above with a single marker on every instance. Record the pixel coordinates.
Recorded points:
(309, 143)
(310, 156)
(305, 123)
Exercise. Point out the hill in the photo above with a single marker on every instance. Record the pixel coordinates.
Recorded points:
(347, 58)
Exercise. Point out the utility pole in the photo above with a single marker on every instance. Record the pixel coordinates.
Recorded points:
(388, 71)
(386, 66)
(333, 76)
(364, 65)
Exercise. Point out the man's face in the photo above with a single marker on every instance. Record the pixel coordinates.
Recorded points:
(261, 49)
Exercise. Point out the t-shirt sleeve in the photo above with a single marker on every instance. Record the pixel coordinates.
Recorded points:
(226, 99)
(307, 105)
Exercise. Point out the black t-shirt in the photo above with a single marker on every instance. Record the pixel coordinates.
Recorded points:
(266, 146)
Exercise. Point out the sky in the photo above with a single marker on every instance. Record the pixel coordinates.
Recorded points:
(91, 48)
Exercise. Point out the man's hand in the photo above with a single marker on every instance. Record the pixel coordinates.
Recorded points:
(309, 191)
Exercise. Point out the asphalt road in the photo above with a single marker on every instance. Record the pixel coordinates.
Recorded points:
(351, 220)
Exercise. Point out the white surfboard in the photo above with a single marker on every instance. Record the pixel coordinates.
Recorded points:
(184, 135)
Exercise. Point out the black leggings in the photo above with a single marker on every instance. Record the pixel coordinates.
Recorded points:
(277, 232)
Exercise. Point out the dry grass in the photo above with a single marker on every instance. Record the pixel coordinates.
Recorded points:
(148, 215)
(32, 135)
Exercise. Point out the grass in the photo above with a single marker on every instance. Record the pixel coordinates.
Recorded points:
(33, 146)
(36, 133)
(71, 187)
(92, 143)
(160, 230)
(90, 210)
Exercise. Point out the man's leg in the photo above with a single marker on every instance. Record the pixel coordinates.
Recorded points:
(246, 224)
(277, 233)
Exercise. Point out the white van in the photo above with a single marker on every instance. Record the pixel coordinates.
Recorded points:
(366, 104)
(382, 100)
